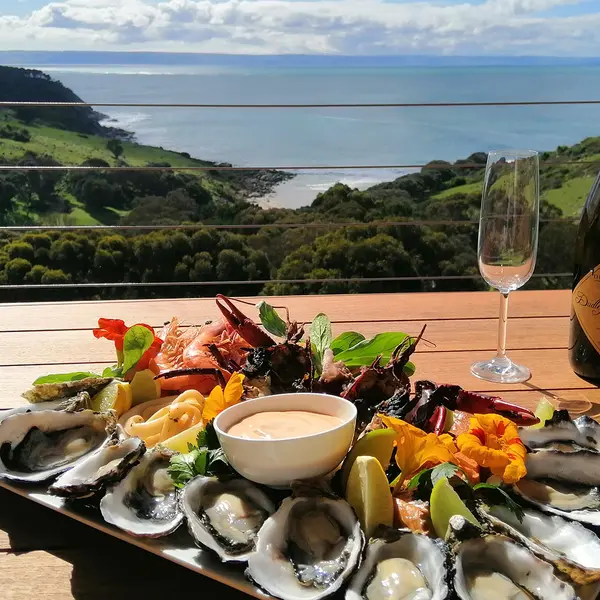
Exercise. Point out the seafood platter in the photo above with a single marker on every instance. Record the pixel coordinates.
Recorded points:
(286, 462)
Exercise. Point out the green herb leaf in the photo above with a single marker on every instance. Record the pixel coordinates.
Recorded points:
(64, 377)
(200, 440)
(135, 343)
(447, 470)
(320, 333)
(218, 463)
(365, 352)
(270, 320)
(346, 340)
(498, 496)
(114, 371)
(212, 441)
(419, 478)
(200, 461)
(182, 468)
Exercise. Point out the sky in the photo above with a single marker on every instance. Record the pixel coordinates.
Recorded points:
(353, 27)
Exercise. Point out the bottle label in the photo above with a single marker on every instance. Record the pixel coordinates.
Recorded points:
(586, 305)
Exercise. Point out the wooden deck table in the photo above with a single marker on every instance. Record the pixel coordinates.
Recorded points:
(47, 555)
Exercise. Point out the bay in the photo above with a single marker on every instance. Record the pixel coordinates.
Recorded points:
(334, 137)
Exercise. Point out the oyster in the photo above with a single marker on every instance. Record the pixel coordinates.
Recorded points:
(145, 503)
(37, 445)
(572, 502)
(105, 466)
(402, 565)
(307, 549)
(225, 516)
(55, 391)
(569, 546)
(575, 465)
(493, 567)
(583, 432)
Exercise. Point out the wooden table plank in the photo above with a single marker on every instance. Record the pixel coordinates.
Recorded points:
(340, 308)
(56, 347)
(550, 371)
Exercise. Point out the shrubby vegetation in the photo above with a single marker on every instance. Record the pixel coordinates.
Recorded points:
(345, 234)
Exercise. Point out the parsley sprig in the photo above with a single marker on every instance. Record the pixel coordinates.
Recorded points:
(205, 458)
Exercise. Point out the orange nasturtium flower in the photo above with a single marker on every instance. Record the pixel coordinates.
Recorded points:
(220, 399)
(493, 442)
(417, 450)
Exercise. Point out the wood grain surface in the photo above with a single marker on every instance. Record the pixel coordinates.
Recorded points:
(45, 555)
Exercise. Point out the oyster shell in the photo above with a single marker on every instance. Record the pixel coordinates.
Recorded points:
(572, 502)
(225, 516)
(55, 391)
(572, 464)
(105, 466)
(493, 567)
(569, 546)
(583, 432)
(400, 564)
(307, 549)
(37, 445)
(145, 503)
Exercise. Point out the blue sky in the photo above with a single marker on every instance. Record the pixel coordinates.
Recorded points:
(439, 27)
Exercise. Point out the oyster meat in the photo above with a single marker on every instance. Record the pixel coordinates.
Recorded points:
(105, 466)
(307, 549)
(37, 445)
(493, 567)
(572, 502)
(401, 565)
(225, 516)
(145, 503)
(569, 546)
(55, 391)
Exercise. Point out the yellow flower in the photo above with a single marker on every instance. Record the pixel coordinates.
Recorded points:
(220, 399)
(417, 450)
(493, 442)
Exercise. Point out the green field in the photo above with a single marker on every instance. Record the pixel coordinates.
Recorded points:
(468, 188)
(571, 197)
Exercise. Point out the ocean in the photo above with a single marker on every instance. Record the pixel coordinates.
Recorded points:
(335, 137)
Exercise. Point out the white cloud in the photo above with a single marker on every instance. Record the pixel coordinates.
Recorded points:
(305, 26)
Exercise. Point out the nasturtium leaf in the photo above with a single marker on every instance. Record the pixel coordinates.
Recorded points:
(135, 343)
(366, 351)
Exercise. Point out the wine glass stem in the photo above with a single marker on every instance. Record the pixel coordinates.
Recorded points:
(502, 325)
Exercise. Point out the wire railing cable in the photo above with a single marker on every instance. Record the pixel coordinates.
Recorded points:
(436, 166)
(25, 104)
(138, 284)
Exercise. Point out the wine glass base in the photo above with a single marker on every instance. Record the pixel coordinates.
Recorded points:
(500, 370)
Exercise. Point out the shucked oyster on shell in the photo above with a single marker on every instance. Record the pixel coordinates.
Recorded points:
(569, 546)
(108, 464)
(38, 445)
(402, 565)
(146, 502)
(45, 392)
(583, 431)
(307, 549)
(493, 567)
(225, 516)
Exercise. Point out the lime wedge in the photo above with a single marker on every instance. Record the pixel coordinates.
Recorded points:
(179, 442)
(378, 443)
(368, 492)
(144, 387)
(444, 504)
(544, 412)
(115, 396)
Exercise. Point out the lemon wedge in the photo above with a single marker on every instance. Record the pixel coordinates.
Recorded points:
(544, 411)
(144, 387)
(378, 443)
(179, 442)
(115, 396)
(368, 492)
(444, 504)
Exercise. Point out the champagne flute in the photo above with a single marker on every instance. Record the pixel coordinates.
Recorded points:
(508, 239)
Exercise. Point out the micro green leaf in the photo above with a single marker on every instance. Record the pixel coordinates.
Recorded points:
(135, 343)
(271, 320)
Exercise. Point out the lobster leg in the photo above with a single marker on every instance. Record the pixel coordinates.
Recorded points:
(249, 330)
(472, 402)
(177, 373)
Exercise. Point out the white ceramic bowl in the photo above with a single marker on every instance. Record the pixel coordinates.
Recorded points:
(279, 462)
